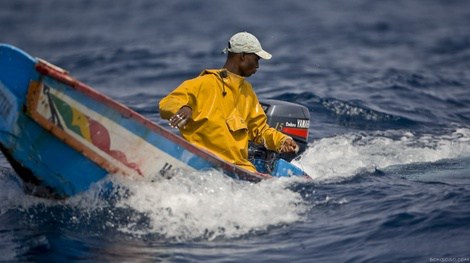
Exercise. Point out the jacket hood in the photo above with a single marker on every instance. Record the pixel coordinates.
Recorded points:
(220, 73)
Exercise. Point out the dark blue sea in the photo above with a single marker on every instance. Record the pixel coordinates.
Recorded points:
(387, 84)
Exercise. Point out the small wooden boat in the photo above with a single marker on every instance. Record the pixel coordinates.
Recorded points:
(61, 136)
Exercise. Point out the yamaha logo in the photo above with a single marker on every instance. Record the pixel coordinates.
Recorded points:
(303, 123)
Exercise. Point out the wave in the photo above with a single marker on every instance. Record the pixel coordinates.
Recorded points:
(200, 205)
(344, 156)
(208, 205)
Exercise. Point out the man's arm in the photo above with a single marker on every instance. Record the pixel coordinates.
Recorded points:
(272, 139)
(173, 102)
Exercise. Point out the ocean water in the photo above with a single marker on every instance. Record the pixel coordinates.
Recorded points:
(387, 84)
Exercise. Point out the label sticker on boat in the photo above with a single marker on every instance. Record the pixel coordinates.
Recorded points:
(7, 108)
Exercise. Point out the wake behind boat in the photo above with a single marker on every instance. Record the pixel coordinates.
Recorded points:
(61, 136)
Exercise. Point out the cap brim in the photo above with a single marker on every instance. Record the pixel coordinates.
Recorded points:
(264, 55)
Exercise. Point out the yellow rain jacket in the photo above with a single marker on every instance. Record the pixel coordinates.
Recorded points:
(226, 114)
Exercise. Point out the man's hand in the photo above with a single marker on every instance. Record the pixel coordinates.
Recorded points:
(181, 117)
(289, 145)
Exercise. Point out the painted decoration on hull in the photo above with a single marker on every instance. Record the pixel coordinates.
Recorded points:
(67, 117)
(99, 138)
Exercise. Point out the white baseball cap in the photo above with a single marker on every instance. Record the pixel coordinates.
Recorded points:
(245, 42)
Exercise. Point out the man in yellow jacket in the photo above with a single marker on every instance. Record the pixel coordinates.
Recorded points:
(220, 112)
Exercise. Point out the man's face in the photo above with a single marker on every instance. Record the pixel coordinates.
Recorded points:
(249, 64)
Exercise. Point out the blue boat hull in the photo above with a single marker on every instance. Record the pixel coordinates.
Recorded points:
(62, 136)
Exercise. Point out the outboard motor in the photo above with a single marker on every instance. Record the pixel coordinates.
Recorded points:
(289, 118)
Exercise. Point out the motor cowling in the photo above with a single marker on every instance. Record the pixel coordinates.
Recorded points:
(289, 118)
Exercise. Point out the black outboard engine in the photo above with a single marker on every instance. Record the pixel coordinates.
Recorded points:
(289, 118)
